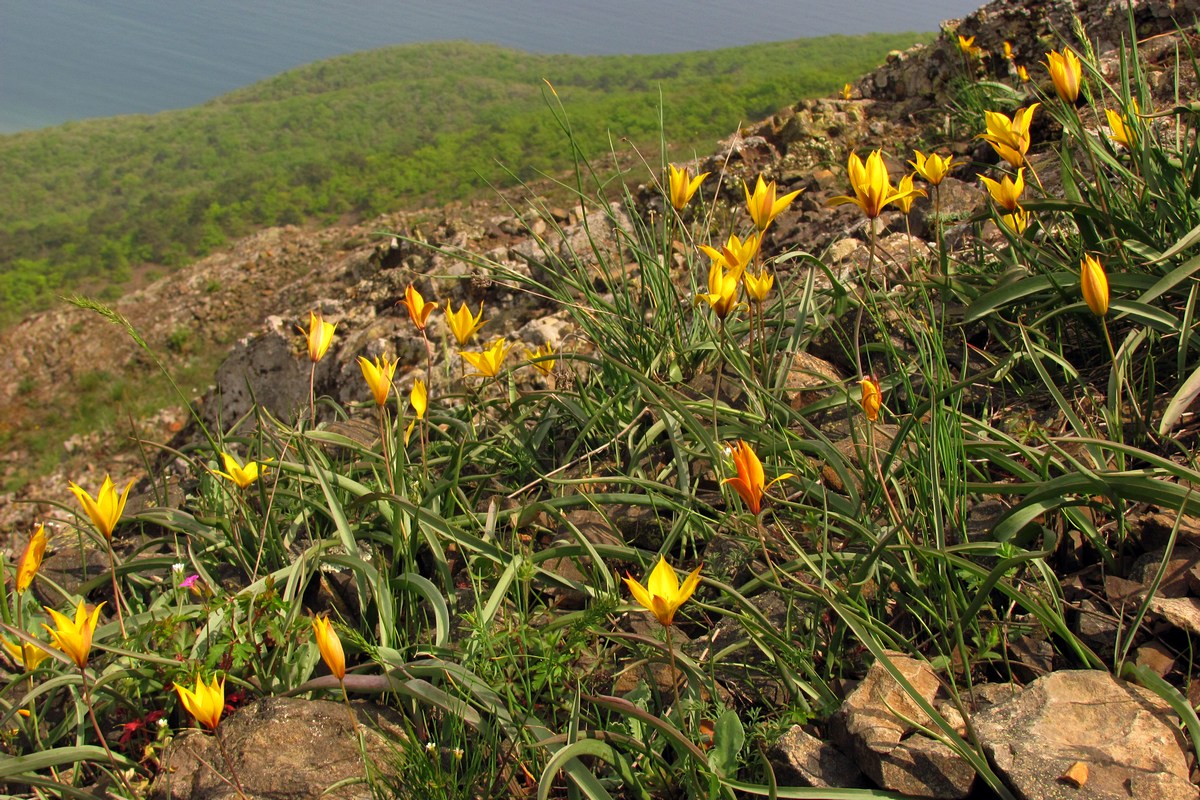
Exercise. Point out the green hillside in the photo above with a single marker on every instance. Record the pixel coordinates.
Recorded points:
(360, 135)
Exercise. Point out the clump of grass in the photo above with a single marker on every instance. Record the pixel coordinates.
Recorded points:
(822, 536)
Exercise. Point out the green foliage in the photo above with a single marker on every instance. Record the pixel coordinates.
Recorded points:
(362, 135)
(498, 632)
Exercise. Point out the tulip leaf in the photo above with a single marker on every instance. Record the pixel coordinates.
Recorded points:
(424, 691)
(1146, 315)
(1075, 489)
(14, 766)
(682, 743)
(1006, 294)
(1180, 402)
(566, 760)
(728, 738)
(441, 611)
(1175, 277)
(798, 793)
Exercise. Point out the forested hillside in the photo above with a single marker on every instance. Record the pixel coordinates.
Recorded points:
(359, 135)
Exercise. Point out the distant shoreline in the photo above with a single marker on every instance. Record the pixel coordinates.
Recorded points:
(62, 61)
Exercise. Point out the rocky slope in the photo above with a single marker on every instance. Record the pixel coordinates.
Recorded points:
(1048, 740)
(355, 273)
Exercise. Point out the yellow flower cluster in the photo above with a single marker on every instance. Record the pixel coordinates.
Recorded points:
(732, 266)
(1010, 138)
(72, 636)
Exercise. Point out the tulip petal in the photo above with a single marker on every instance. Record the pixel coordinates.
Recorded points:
(639, 593)
(663, 582)
(689, 585)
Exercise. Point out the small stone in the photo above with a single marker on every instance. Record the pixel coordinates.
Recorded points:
(800, 759)
(1076, 775)
(1182, 612)
(1097, 626)
(1174, 581)
(1156, 657)
(875, 725)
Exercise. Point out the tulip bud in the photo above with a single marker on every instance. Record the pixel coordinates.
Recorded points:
(1094, 285)
(872, 398)
(330, 646)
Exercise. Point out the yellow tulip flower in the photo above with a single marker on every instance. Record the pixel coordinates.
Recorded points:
(1009, 137)
(489, 361)
(682, 189)
(933, 168)
(1008, 51)
(1093, 283)
(847, 91)
(908, 195)
(243, 476)
(26, 655)
(1066, 72)
(1006, 192)
(662, 595)
(1023, 74)
(106, 509)
(758, 286)
(320, 334)
(418, 309)
(1121, 131)
(872, 398)
(206, 702)
(762, 204)
(74, 638)
(967, 45)
(1017, 221)
(31, 559)
(378, 374)
(735, 254)
(872, 187)
(419, 399)
(330, 646)
(749, 479)
(462, 324)
(539, 358)
(722, 286)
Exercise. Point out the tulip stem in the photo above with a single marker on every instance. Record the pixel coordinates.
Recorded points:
(237, 782)
(1029, 166)
(262, 539)
(762, 344)
(383, 444)
(674, 676)
(112, 564)
(312, 394)
(753, 370)
(87, 701)
(907, 268)
(762, 540)
(428, 356)
(717, 382)
(1116, 424)
(865, 291)
(943, 262)
(874, 456)
(349, 708)
(356, 728)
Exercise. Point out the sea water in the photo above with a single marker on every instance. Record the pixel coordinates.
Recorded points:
(71, 59)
